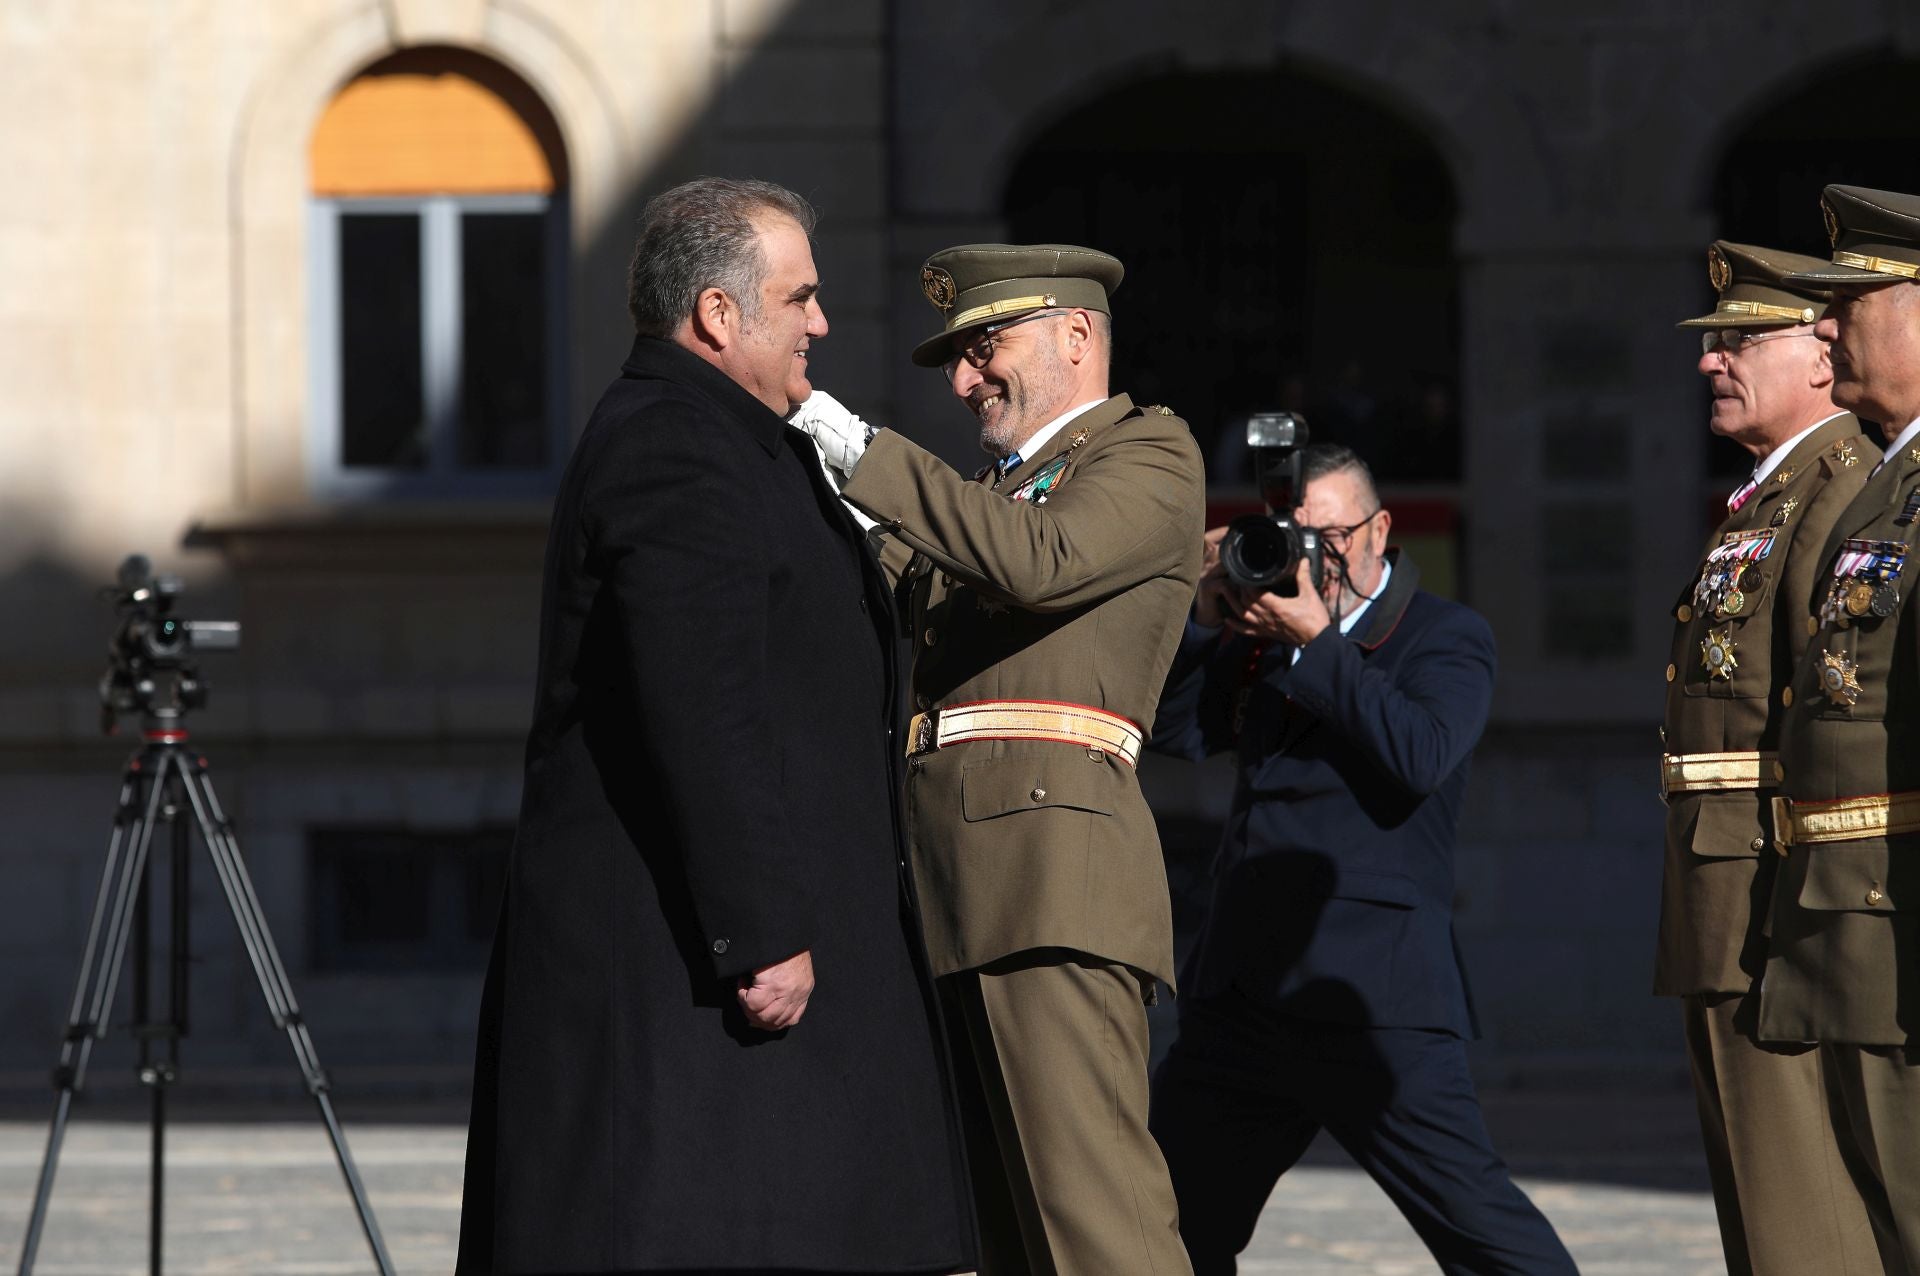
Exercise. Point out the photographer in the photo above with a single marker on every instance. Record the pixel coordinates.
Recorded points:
(1325, 990)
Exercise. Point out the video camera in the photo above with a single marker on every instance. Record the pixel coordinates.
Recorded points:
(150, 642)
(1263, 551)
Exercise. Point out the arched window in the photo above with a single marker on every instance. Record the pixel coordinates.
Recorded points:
(439, 252)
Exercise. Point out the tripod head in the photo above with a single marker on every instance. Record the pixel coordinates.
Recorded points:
(150, 665)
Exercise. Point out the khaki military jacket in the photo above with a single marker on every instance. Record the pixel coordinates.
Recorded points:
(1078, 597)
(1749, 593)
(1843, 960)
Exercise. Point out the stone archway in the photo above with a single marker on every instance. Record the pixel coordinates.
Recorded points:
(1289, 244)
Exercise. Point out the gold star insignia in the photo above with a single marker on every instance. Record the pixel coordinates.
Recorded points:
(1717, 653)
(1913, 453)
(1839, 678)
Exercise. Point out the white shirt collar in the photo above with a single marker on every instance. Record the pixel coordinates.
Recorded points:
(1779, 454)
(1352, 618)
(1031, 448)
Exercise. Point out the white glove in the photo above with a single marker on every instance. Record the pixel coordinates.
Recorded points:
(840, 435)
(836, 480)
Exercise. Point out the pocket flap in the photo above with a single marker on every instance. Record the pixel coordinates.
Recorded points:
(1848, 878)
(1378, 888)
(1031, 782)
(1727, 825)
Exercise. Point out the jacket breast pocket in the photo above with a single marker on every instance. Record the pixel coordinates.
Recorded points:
(1038, 782)
(1842, 877)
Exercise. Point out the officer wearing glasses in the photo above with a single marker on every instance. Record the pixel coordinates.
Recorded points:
(1785, 1199)
(1047, 595)
(1325, 990)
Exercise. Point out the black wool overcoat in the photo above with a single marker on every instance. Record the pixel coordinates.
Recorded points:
(711, 786)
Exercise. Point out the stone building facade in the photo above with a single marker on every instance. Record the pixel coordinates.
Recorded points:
(1500, 209)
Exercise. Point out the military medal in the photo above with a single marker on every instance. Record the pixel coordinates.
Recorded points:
(1840, 679)
(1866, 575)
(1716, 654)
(1730, 572)
(1044, 480)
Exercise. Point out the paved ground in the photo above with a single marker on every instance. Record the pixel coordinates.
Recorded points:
(1618, 1173)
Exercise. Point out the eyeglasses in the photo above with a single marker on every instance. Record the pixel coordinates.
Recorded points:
(979, 352)
(1338, 539)
(1734, 340)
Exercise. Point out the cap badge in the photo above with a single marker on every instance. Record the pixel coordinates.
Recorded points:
(1719, 274)
(937, 284)
(1833, 223)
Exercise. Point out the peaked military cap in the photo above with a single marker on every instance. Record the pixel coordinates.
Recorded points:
(1752, 294)
(1875, 237)
(977, 284)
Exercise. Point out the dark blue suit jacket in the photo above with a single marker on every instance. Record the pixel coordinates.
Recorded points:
(1333, 886)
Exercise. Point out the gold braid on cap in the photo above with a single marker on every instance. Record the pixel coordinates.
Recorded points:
(1761, 310)
(1879, 265)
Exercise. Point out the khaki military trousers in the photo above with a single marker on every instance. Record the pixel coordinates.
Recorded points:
(1788, 1200)
(1875, 1091)
(1067, 1180)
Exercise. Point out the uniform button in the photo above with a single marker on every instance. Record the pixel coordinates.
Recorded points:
(719, 947)
(1671, 671)
(930, 636)
(1779, 771)
(1873, 894)
(1813, 625)
(863, 605)
(1684, 614)
(1786, 697)
(1757, 844)
(1039, 794)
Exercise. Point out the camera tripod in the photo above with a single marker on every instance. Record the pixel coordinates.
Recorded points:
(166, 784)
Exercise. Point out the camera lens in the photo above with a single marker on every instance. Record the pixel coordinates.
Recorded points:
(1258, 552)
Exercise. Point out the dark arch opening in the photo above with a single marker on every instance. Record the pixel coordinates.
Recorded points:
(1288, 244)
(1851, 124)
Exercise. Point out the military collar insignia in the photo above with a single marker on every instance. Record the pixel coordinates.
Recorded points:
(1078, 437)
(1783, 477)
(1781, 515)
(937, 284)
(1839, 678)
(1844, 450)
(1719, 274)
(1833, 223)
(1913, 453)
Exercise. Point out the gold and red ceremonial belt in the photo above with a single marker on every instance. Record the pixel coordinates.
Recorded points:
(1024, 720)
(1718, 772)
(1844, 819)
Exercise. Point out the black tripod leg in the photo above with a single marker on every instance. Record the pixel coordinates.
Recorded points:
(231, 868)
(113, 907)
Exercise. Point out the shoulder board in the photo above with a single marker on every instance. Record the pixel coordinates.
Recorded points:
(1161, 408)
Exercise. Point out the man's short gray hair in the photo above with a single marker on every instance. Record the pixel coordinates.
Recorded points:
(701, 235)
(1322, 459)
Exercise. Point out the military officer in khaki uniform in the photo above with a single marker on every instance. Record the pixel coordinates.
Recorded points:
(1786, 1203)
(1047, 596)
(1843, 961)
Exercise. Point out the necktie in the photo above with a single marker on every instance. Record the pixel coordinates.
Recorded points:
(1741, 494)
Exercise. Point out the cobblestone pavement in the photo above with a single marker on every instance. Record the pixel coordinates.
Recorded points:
(1618, 1174)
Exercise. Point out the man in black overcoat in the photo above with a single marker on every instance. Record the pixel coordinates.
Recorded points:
(710, 826)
